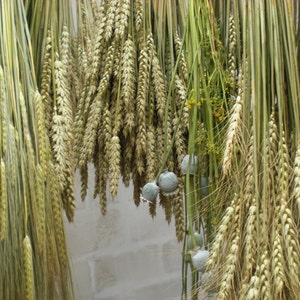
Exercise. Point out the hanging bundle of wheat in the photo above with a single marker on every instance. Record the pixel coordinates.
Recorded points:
(34, 262)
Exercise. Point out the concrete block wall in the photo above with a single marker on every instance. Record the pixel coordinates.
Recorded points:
(125, 255)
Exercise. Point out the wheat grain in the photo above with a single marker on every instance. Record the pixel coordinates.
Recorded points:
(265, 276)
(3, 202)
(110, 20)
(60, 149)
(250, 248)
(56, 205)
(96, 110)
(152, 208)
(138, 17)
(179, 213)
(291, 246)
(41, 130)
(232, 50)
(223, 231)
(277, 267)
(253, 292)
(167, 205)
(128, 77)
(182, 61)
(296, 185)
(151, 161)
(3, 111)
(122, 24)
(114, 165)
(158, 82)
(46, 80)
(69, 197)
(28, 268)
(127, 158)
(99, 45)
(232, 135)
(230, 269)
(84, 181)
(181, 97)
(142, 94)
(40, 207)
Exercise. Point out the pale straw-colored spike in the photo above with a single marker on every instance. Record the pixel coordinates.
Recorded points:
(265, 276)
(46, 80)
(167, 204)
(27, 139)
(114, 165)
(127, 158)
(250, 248)
(253, 292)
(181, 97)
(227, 285)
(60, 148)
(123, 18)
(40, 207)
(56, 204)
(151, 162)
(28, 268)
(142, 94)
(178, 212)
(128, 80)
(138, 16)
(98, 46)
(65, 49)
(296, 185)
(232, 50)
(180, 141)
(4, 114)
(182, 61)
(3, 202)
(110, 20)
(69, 197)
(158, 82)
(223, 232)
(290, 243)
(152, 208)
(235, 125)
(63, 101)
(95, 110)
(84, 181)
(277, 268)
(41, 130)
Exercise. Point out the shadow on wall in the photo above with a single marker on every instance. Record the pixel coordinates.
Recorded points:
(125, 254)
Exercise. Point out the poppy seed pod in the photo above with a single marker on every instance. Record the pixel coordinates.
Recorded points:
(168, 182)
(195, 243)
(199, 260)
(193, 160)
(150, 191)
